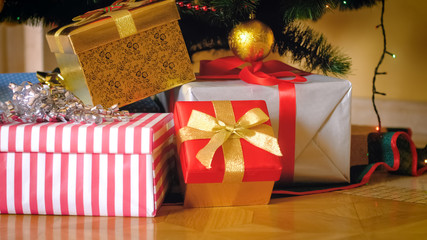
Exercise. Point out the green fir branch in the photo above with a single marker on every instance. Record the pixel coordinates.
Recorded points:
(234, 11)
(291, 10)
(203, 31)
(311, 49)
(305, 9)
(356, 4)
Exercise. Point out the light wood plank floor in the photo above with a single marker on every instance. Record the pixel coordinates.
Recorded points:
(390, 207)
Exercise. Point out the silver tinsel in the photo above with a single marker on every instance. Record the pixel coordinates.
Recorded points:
(41, 103)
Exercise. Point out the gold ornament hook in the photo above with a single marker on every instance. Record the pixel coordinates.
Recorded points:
(252, 16)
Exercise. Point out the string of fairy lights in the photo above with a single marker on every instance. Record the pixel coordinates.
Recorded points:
(377, 72)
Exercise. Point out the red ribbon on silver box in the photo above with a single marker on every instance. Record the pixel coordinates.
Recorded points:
(267, 73)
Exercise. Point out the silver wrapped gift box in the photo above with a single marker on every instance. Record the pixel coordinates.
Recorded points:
(323, 128)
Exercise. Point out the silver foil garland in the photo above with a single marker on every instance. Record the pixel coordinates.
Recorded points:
(44, 103)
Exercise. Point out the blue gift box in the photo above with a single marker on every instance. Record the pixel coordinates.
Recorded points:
(17, 78)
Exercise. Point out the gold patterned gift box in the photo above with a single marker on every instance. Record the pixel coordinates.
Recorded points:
(122, 53)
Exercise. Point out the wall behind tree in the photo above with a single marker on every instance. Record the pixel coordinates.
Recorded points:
(355, 33)
(22, 48)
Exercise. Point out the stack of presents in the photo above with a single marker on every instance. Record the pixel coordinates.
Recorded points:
(227, 141)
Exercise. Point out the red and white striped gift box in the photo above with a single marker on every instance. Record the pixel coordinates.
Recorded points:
(111, 169)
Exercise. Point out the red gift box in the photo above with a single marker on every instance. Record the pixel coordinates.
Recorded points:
(260, 166)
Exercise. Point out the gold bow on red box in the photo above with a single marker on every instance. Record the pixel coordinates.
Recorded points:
(223, 130)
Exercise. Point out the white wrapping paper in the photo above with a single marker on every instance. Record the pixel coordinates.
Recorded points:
(323, 129)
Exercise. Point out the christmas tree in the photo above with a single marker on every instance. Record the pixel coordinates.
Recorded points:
(206, 23)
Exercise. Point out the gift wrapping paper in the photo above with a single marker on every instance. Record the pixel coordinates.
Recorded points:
(322, 142)
(111, 169)
(104, 63)
(254, 169)
(244, 167)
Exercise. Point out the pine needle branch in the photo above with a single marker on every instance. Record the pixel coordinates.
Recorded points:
(312, 50)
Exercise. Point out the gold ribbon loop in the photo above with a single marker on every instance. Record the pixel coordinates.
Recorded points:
(205, 155)
(252, 118)
(250, 127)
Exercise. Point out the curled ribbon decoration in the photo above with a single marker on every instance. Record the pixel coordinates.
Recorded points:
(107, 11)
(97, 12)
(118, 11)
(225, 131)
(266, 74)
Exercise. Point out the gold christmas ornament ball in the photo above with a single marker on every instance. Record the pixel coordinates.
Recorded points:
(251, 41)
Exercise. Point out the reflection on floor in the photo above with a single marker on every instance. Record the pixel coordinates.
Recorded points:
(390, 207)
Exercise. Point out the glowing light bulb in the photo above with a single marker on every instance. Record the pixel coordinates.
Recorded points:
(345, 2)
(391, 54)
(377, 128)
(425, 161)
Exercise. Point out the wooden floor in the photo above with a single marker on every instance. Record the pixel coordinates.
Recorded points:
(390, 207)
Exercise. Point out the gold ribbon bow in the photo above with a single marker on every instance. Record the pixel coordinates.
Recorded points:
(51, 79)
(118, 11)
(226, 132)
